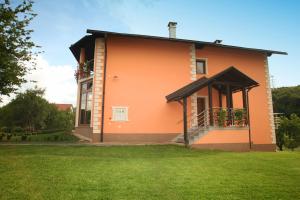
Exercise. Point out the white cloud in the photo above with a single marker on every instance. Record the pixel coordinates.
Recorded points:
(57, 80)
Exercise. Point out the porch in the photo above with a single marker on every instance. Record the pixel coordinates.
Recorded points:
(224, 116)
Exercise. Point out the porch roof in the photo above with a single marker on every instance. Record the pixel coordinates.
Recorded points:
(230, 76)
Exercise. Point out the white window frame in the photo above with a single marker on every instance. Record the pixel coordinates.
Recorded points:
(114, 114)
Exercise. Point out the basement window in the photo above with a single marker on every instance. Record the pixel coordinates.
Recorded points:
(119, 113)
(200, 66)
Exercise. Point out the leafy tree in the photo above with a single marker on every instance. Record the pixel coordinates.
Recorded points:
(287, 100)
(16, 46)
(30, 111)
(288, 133)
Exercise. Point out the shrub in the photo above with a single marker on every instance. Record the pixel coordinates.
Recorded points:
(5, 129)
(17, 130)
(221, 117)
(8, 136)
(23, 137)
(288, 133)
(1, 136)
(56, 137)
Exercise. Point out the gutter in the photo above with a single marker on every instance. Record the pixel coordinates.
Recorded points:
(103, 92)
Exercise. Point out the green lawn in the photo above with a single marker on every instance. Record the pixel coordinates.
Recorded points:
(145, 172)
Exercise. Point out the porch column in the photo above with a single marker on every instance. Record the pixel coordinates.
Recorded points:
(185, 133)
(245, 104)
(244, 98)
(210, 105)
(228, 104)
(220, 99)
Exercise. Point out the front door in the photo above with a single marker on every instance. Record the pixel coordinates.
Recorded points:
(200, 108)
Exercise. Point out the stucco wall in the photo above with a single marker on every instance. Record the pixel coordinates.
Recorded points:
(140, 73)
(252, 64)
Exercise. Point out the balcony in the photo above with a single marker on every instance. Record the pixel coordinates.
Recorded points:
(84, 70)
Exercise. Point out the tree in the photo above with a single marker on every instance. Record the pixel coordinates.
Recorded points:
(288, 133)
(31, 111)
(16, 47)
(287, 100)
(28, 110)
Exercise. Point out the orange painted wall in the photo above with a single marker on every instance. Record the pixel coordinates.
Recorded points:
(140, 73)
(225, 136)
(252, 64)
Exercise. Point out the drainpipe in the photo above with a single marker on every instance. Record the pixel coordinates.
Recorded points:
(104, 80)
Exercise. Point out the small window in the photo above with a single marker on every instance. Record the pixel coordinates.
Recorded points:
(201, 67)
(120, 113)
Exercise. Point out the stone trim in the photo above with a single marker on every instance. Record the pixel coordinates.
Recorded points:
(193, 78)
(270, 102)
(98, 84)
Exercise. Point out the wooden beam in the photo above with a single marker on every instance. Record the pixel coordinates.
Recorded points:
(210, 104)
(185, 133)
(228, 96)
(244, 98)
(220, 98)
(231, 99)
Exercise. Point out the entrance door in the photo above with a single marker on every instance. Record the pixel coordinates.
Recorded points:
(200, 108)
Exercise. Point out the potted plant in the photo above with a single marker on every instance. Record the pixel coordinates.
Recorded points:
(238, 116)
(222, 118)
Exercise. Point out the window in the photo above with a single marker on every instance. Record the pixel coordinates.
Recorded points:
(86, 102)
(201, 67)
(120, 113)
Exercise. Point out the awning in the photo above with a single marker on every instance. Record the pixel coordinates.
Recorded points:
(230, 76)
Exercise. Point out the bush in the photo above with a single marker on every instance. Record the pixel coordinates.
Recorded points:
(5, 129)
(8, 136)
(17, 130)
(288, 133)
(1, 136)
(56, 137)
(23, 137)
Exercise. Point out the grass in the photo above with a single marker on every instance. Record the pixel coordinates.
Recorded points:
(145, 172)
(59, 136)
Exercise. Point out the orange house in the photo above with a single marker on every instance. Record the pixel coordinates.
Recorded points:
(148, 89)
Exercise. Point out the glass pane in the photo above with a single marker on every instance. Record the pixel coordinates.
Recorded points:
(90, 96)
(83, 87)
(200, 65)
(89, 105)
(88, 117)
(83, 101)
(89, 85)
(82, 116)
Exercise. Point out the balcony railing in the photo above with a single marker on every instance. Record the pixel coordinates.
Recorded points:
(84, 70)
(219, 117)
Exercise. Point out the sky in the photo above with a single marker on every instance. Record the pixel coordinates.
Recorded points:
(268, 24)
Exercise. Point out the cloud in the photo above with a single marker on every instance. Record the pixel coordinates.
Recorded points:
(57, 80)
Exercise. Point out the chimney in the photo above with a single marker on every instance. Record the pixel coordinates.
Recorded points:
(172, 29)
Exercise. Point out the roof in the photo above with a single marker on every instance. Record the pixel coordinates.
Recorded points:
(63, 107)
(199, 44)
(232, 76)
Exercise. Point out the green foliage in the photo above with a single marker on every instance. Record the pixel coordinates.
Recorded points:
(29, 111)
(288, 133)
(238, 116)
(221, 117)
(287, 100)
(16, 47)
